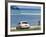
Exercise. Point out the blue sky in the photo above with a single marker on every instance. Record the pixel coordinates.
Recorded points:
(31, 19)
(25, 9)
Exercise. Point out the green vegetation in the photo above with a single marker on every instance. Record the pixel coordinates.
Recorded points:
(25, 29)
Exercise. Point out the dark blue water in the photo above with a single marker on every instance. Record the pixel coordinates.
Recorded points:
(31, 19)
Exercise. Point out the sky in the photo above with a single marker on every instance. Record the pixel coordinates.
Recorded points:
(31, 14)
(25, 9)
